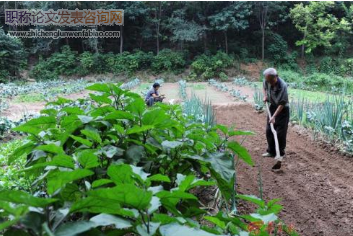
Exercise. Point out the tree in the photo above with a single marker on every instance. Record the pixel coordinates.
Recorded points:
(234, 16)
(156, 10)
(132, 10)
(12, 55)
(183, 30)
(317, 25)
(268, 14)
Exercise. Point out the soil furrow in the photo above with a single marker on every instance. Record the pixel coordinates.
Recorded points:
(315, 185)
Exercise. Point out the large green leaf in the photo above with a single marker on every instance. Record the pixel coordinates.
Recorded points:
(96, 205)
(253, 199)
(20, 197)
(139, 129)
(72, 110)
(159, 178)
(99, 88)
(106, 220)
(60, 160)
(119, 115)
(136, 107)
(51, 148)
(82, 140)
(175, 229)
(241, 152)
(171, 144)
(222, 163)
(22, 150)
(58, 179)
(155, 117)
(120, 174)
(74, 228)
(88, 159)
(85, 119)
(135, 153)
(36, 125)
(126, 194)
(152, 229)
(93, 135)
(100, 182)
(226, 187)
(101, 99)
(111, 151)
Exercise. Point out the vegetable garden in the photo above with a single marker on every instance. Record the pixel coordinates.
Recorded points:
(106, 164)
(109, 165)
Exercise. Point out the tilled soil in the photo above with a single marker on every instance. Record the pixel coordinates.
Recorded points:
(315, 185)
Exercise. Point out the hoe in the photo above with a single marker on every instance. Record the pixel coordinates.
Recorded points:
(278, 157)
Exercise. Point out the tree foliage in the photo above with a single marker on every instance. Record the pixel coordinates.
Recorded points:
(317, 24)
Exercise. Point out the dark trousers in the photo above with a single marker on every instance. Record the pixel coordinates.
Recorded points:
(281, 127)
(152, 100)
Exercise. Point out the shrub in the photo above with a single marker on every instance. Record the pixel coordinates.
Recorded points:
(328, 82)
(41, 71)
(223, 77)
(4, 75)
(130, 62)
(100, 65)
(86, 63)
(59, 63)
(327, 65)
(168, 60)
(290, 76)
(209, 66)
(64, 62)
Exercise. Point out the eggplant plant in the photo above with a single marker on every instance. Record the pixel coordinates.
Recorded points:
(114, 167)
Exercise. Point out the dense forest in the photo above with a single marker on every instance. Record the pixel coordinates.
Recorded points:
(306, 37)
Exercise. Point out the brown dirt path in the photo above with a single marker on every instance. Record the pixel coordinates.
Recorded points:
(316, 185)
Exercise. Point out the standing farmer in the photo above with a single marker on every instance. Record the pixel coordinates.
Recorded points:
(153, 96)
(275, 92)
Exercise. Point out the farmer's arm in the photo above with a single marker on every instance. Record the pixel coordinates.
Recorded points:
(156, 95)
(278, 110)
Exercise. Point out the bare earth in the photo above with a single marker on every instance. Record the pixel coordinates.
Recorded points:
(316, 185)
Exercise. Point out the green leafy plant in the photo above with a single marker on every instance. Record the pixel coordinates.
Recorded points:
(116, 167)
(10, 178)
(258, 100)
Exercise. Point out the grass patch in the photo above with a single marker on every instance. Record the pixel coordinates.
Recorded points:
(31, 97)
(198, 86)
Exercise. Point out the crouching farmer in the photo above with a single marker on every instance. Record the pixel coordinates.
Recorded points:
(153, 96)
(275, 92)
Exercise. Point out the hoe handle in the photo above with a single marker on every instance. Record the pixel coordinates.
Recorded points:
(278, 156)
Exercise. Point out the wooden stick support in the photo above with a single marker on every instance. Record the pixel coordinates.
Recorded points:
(278, 155)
